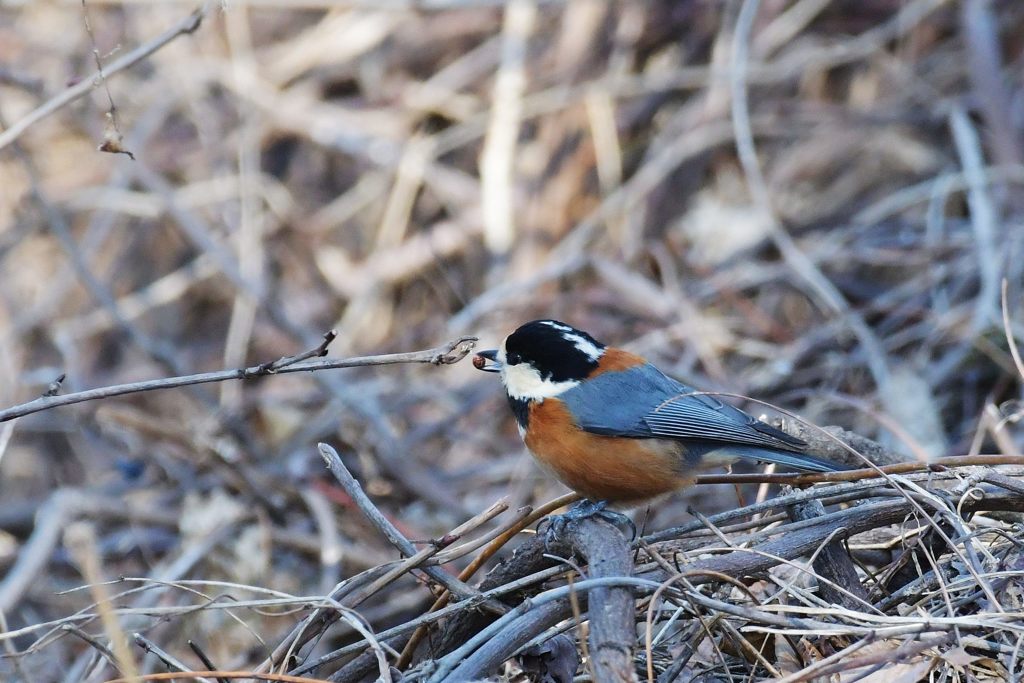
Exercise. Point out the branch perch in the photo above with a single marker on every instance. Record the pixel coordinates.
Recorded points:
(446, 354)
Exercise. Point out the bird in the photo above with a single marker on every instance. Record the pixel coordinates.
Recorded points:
(617, 430)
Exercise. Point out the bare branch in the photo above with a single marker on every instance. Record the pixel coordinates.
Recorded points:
(187, 25)
(936, 465)
(446, 354)
(394, 536)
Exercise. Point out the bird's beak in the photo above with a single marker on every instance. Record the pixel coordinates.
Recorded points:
(487, 361)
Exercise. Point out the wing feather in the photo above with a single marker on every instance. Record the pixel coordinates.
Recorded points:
(644, 402)
(700, 416)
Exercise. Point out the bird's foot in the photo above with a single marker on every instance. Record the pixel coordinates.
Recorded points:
(583, 509)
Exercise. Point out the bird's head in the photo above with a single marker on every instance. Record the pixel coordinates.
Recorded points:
(542, 359)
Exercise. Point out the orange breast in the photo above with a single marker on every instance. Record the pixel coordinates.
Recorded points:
(602, 467)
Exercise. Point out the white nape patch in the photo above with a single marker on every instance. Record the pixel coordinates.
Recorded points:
(524, 383)
(584, 345)
(572, 336)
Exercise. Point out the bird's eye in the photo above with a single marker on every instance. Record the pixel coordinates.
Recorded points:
(513, 359)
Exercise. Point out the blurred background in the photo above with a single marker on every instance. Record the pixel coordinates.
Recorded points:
(810, 203)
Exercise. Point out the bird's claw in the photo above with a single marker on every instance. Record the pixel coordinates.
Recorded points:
(556, 524)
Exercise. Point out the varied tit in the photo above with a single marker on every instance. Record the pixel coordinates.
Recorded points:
(614, 428)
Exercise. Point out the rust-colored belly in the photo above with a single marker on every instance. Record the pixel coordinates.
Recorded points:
(599, 467)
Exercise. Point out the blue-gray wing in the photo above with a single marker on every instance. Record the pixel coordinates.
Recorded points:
(644, 402)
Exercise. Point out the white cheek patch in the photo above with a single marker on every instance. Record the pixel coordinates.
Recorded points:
(524, 383)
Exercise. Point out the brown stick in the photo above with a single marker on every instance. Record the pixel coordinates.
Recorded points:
(936, 465)
(833, 563)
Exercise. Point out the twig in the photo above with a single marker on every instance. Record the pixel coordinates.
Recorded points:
(904, 653)
(936, 465)
(455, 552)
(80, 539)
(207, 662)
(187, 25)
(449, 353)
(983, 217)
(423, 555)
(476, 657)
(431, 617)
(795, 540)
(1008, 331)
(177, 676)
(357, 668)
(170, 660)
(478, 561)
(532, 621)
(390, 532)
(357, 622)
(317, 622)
(11, 651)
(319, 352)
(92, 641)
(811, 671)
(1004, 482)
(843, 491)
(113, 140)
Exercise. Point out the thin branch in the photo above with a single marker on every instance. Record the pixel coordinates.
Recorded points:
(984, 219)
(493, 547)
(446, 354)
(207, 662)
(186, 26)
(432, 549)
(167, 658)
(394, 536)
(181, 676)
(936, 465)
(113, 139)
(471, 660)
(505, 588)
(92, 641)
(1008, 331)
(319, 352)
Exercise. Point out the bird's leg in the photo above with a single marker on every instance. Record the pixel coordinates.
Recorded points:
(581, 510)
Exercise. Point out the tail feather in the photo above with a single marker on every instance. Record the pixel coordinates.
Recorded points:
(797, 461)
